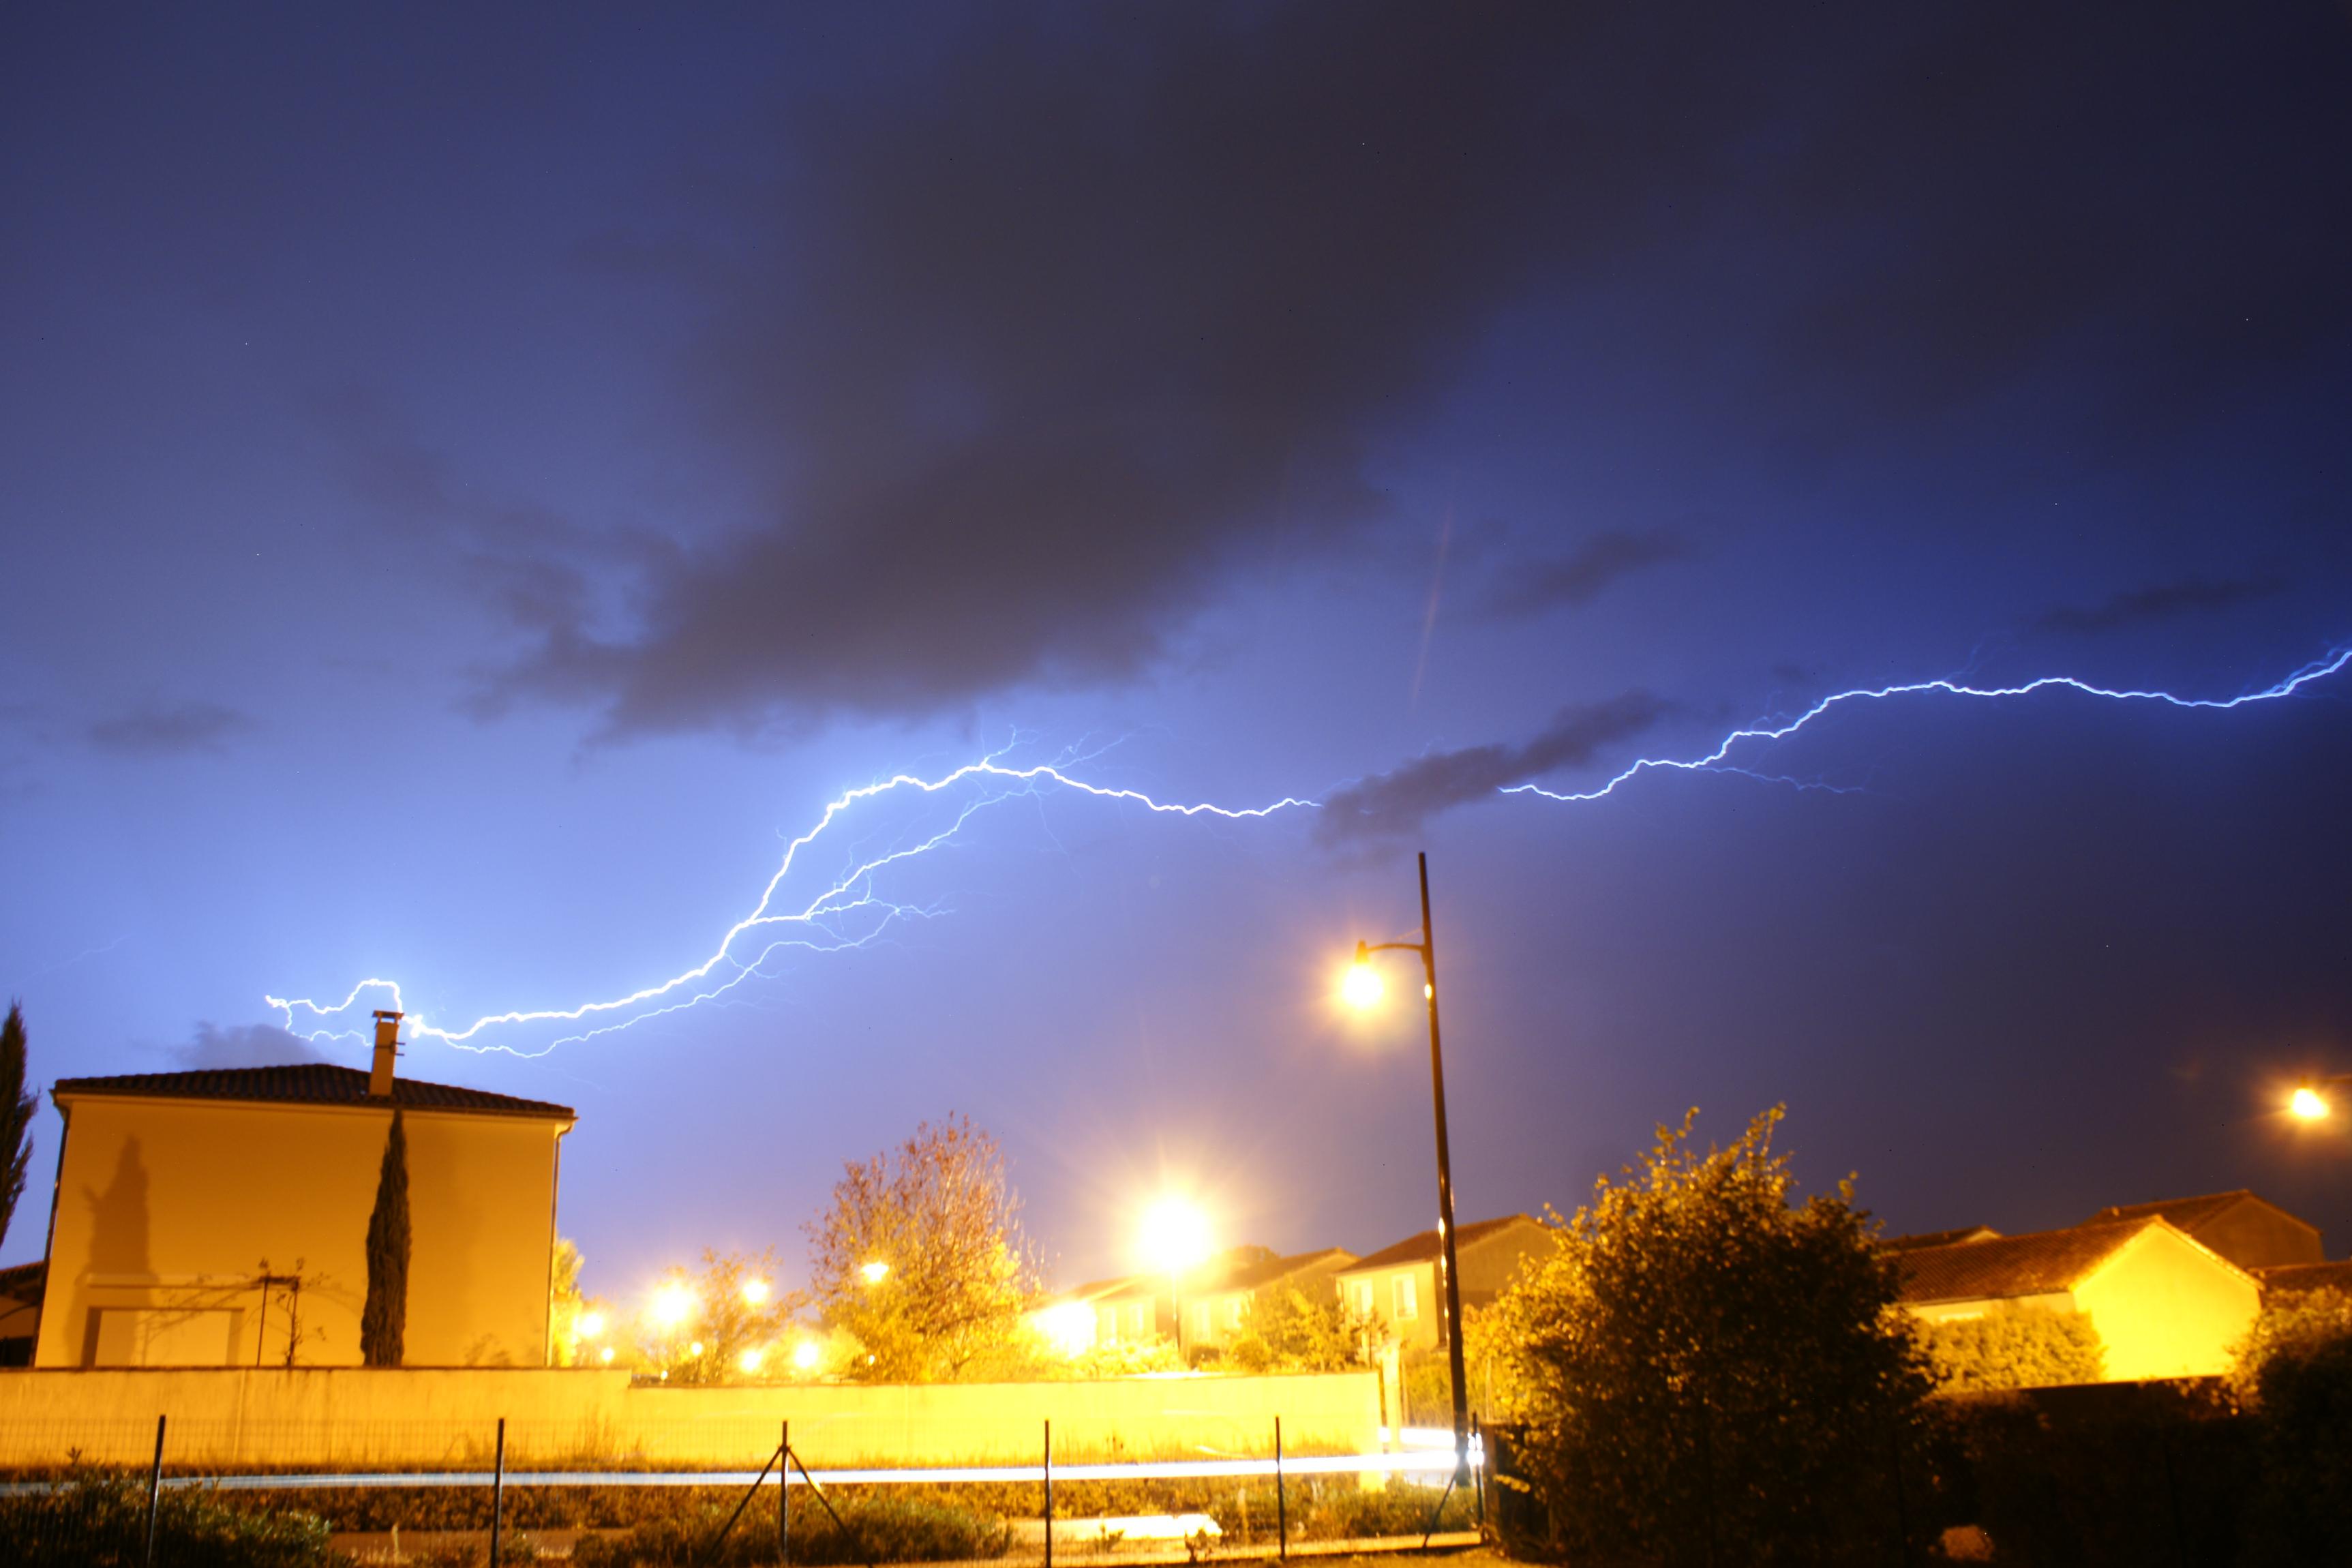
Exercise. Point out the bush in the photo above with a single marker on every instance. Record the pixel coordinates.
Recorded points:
(2013, 1347)
(94, 1521)
(1709, 1368)
(879, 1529)
(2295, 1376)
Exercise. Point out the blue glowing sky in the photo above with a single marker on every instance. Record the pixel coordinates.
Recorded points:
(476, 487)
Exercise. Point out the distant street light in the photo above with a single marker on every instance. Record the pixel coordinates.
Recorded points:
(806, 1354)
(1362, 988)
(2310, 1102)
(1174, 1238)
(875, 1272)
(673, 1305)
(755, 1291)
(590, 1326)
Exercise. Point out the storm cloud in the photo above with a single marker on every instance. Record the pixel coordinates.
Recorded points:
(1032, 347)
(170, 729)
(1579, 577)
(1396, 804)
(2165, 601)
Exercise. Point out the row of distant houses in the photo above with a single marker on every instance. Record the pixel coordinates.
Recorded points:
(1396, 1287)
(2171, 1286)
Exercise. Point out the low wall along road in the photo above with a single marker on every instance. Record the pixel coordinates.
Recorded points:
(349, 1417)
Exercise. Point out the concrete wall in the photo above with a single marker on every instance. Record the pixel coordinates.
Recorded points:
(354, 1417)
(2165, 1306)
(168, 1208)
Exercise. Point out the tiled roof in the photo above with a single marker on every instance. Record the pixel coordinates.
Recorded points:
(1423, 1248)
(2190, 1213)
(307, 1083)
(1918, 1239)
(2009, 1266)
(2296, 1279)
(1261, 1272)
(24, 1282)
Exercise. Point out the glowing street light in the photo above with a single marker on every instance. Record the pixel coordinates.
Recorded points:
(590, 1326)
(1361, 989)
(606, 1355)
(2310, 1102)
(806, 1354)
(750, 1360)
(755, 1291)
(673, 1305)
(876, 1272)
(1174, 1238)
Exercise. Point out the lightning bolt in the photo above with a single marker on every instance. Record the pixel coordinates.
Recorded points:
(849, 912)
(1718, 760)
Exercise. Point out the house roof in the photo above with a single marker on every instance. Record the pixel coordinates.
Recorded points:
(1423, 1249)
(2040, 1264)
(2298, 1278)
(1918, 1239)
(25, 1282)
(1258, 1273)
(304, 1083)
(2191, 1214)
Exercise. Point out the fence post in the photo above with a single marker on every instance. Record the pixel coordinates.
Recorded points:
(1049, 1493)
(784, 1496)
(154, 1492)
(1281, 1504)
(498, 1490)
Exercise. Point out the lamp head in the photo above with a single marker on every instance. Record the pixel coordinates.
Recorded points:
(2307, 1104)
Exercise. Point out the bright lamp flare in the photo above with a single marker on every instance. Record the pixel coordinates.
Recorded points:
(1361, 987)
(673, 1305)
(2309, 1104)
(1069, 1326)
(751, 1359)
(806, 1354)
(590, 1326)
(1174, 1235)
(755, 1291)
(875, 1272)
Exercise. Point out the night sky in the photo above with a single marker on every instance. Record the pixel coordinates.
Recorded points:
(475, 484)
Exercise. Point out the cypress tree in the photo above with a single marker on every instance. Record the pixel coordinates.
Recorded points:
(384, 1320)
(16, 1110)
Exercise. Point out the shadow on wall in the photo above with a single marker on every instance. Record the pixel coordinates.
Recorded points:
(118, 1240)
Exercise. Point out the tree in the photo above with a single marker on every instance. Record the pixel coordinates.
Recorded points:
(16, 1110)
(922, 1258)
(721, 1325)
(2012, 1347)
(384, 1318)
(1285, 1331)
(1711, 1374)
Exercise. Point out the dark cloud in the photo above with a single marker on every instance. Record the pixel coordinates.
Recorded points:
(1577, 577)
(1046, 337)
(175, 729)
(2164, 602)
(244, 1046)
(1395, 805)
(1044, 348)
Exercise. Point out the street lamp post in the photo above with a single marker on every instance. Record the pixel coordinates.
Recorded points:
(1450, 1295)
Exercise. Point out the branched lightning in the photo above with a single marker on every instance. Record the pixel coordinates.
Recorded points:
(1718, 760)
(849, 912)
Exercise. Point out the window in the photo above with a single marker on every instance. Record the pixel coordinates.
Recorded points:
(1360, 1297)
(1135, 1319)
(1109, 1317)
(1233, 1313)
(1406, 1305)
(1201, 1324)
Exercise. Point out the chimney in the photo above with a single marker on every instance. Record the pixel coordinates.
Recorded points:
(387, 1046)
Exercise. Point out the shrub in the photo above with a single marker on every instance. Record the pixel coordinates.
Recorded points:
(2295, 1373)
(100, 1521)
(2012, 1347)
(879, 1529)
(1710, 1368)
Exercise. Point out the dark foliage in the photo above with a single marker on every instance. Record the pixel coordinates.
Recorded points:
(16, 1109)
(878, 1529)
(383, 1320)
(100, 1521)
